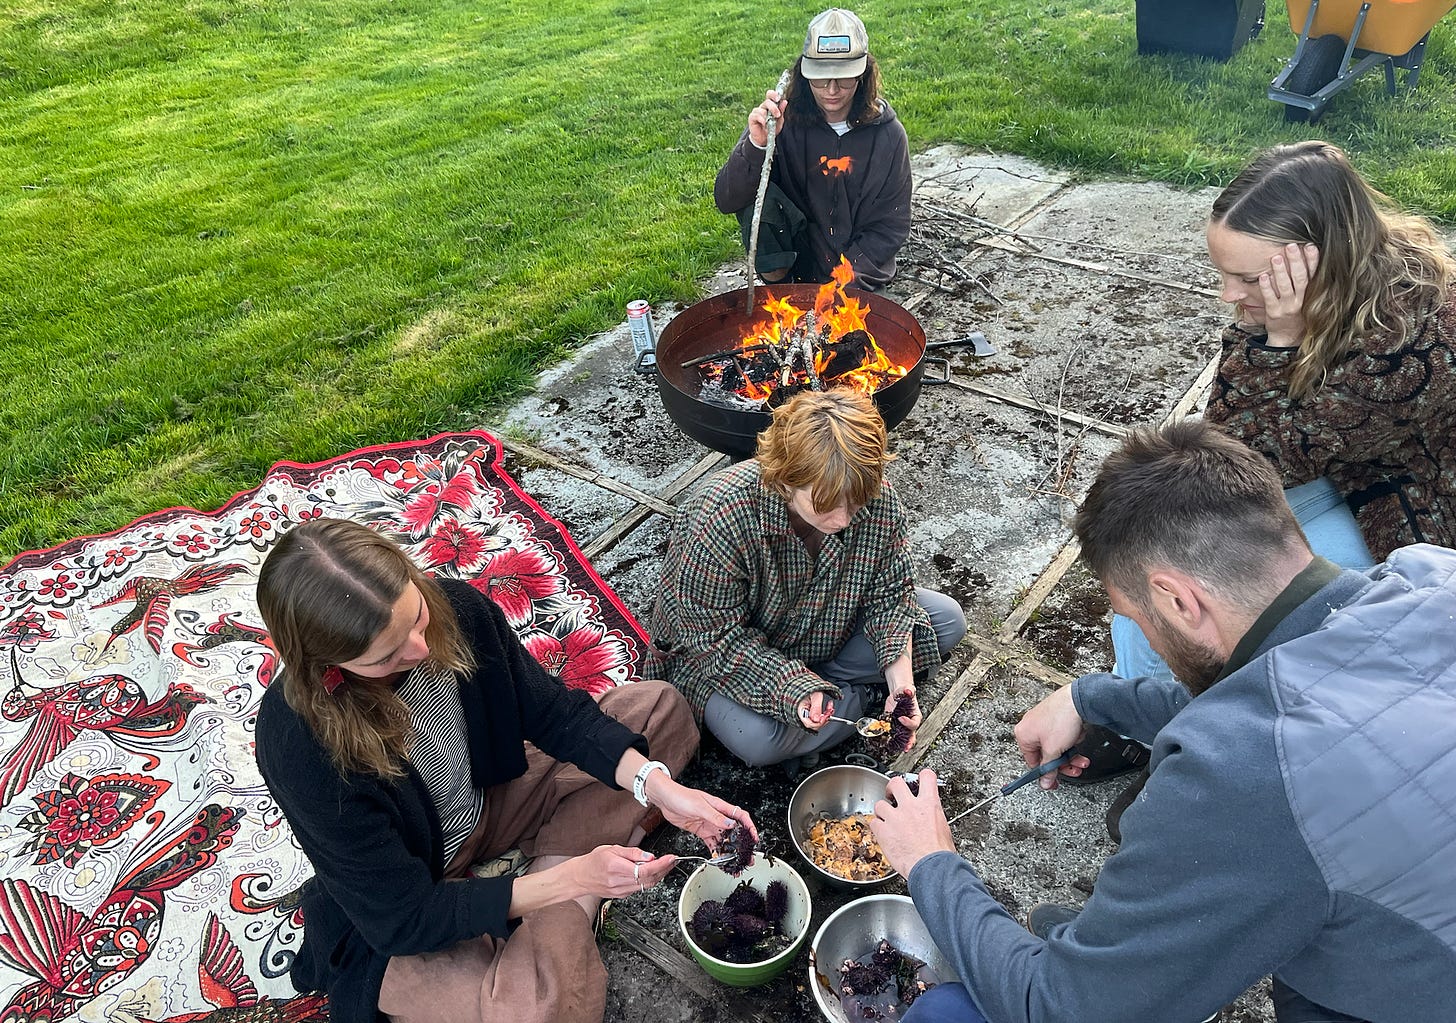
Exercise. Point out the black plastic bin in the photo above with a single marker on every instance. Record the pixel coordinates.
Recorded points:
(1204, 28)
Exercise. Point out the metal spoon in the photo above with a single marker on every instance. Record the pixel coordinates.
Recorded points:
(866, 726)
(720, 860)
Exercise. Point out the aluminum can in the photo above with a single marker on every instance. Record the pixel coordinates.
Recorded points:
(644, 337)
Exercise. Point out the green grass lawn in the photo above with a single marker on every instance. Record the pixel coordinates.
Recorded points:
(238, 231)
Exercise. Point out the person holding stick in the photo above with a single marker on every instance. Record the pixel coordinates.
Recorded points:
(839, 186)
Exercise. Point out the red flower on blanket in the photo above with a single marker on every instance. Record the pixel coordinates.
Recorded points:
(26, 631)
(515, 578)
(437, 492)
(58, 587)
(82, 814)
(194, 543)
(259, 524)
(453, 544)
(119, 557)
(585, 659)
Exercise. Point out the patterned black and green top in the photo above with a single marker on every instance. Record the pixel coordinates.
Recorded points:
(744, 609)
(1382, 429)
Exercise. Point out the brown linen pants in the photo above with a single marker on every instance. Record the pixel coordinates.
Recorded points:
(548, 970)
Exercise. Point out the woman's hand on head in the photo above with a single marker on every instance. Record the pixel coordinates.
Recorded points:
(772, 105)
(1283, 288)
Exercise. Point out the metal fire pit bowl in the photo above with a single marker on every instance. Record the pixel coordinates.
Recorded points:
(717, 324)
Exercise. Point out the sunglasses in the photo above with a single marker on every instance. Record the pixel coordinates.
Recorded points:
(824, 84)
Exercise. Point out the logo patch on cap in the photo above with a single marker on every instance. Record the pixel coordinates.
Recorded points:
(834, 44)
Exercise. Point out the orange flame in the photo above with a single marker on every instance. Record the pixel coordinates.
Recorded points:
(839, 165)
(840, 314)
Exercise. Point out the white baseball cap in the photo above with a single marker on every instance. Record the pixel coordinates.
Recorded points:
(836, 47)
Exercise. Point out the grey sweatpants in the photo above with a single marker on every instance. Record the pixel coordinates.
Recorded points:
(759, 740)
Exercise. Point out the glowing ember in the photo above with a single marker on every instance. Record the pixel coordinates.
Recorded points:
(793, 350)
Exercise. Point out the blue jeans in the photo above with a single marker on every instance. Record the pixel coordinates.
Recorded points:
(1332, 533)
(944, 1003)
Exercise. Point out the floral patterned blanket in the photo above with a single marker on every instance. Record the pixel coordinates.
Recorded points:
(145, 873)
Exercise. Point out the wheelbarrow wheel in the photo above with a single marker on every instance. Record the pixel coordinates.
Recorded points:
(1316, 69)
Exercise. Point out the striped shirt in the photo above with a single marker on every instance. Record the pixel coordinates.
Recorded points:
(440, 753)
(744, 608)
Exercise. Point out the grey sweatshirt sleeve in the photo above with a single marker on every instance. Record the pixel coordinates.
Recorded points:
(1212, 889)
(1136, 707)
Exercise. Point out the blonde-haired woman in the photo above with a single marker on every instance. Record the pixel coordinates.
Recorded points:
(396, 745)
(788, 594)
(1340, 366)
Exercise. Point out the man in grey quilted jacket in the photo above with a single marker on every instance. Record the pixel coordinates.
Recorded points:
(1300, 813)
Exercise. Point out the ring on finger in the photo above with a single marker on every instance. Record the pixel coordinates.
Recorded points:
(637, 873)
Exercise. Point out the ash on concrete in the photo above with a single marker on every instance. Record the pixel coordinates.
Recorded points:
(1100, 301)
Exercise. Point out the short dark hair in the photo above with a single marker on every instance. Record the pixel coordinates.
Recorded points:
(1190, 497)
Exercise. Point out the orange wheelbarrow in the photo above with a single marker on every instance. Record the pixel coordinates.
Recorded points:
(1343, 39)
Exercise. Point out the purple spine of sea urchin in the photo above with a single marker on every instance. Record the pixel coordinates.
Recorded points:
(863, 978)
(747, 931)
(739, 841)
(711, 926)
(898, 739)
(776, 902)
(745, 899)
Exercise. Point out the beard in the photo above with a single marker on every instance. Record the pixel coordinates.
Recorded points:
(1193, 664)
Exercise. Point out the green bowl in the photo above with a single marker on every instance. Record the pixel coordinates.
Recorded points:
(708, 883)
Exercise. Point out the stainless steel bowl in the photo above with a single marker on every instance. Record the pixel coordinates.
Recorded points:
(836, 791)
(853, 931)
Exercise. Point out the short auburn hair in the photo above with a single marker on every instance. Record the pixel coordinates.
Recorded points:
(831, 441)
(1187, 496)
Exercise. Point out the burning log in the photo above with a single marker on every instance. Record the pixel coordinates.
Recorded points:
(848, 353)
(796, 350)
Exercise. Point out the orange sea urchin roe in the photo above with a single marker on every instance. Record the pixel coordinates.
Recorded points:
(845, 847)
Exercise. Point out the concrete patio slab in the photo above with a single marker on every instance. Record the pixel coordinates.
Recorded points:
(1103, 317)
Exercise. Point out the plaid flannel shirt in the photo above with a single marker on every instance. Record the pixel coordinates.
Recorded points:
(743, 609)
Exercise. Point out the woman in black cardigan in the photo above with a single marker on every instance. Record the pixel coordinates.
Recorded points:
(412, 736)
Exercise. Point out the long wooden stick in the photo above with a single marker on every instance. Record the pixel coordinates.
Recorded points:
(768, 152)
